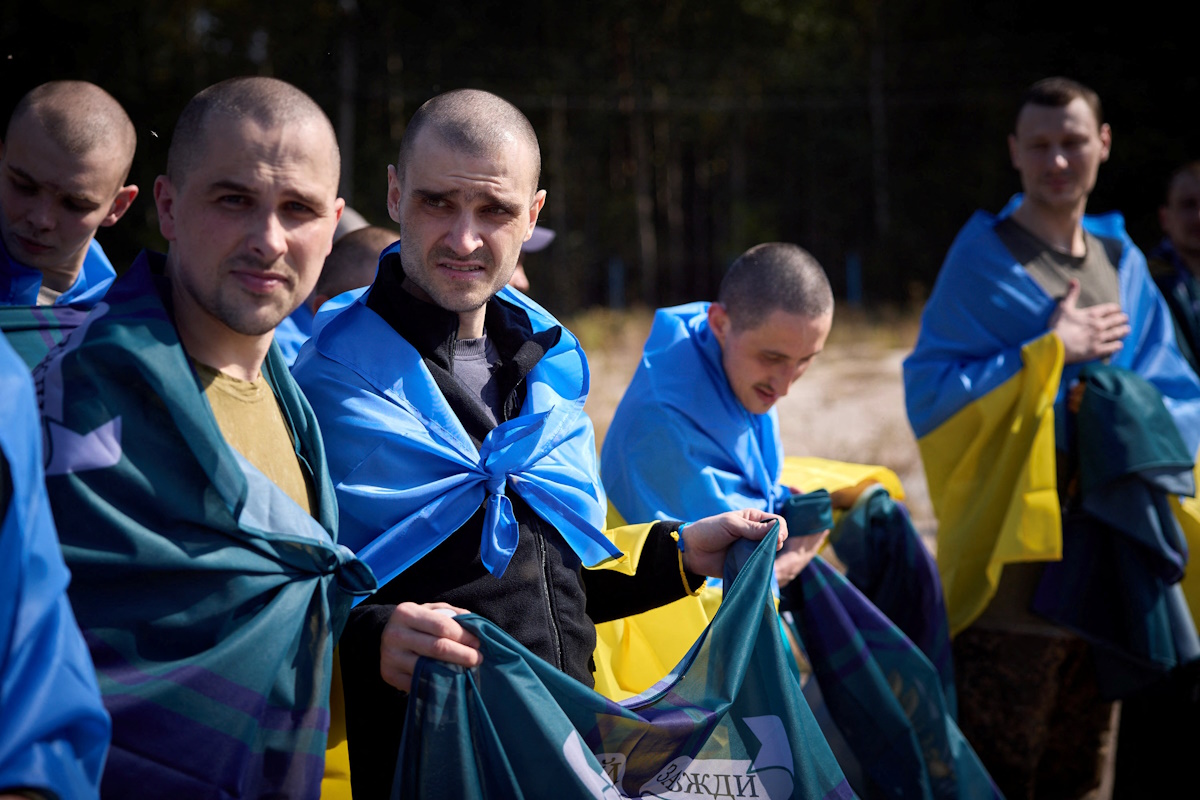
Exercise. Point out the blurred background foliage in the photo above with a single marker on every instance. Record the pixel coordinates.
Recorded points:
(677, 133)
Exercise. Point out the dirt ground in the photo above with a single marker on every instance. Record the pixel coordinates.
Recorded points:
(848, 406)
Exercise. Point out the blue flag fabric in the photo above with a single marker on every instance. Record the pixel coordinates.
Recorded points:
(293, 332)
(53, 728)
(985, 307)
(728, 721)
(406, 471)
(679, 418)
(210, 600)
(19, 284)
(884, 695)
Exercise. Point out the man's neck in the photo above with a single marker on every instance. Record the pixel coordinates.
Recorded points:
(1061, 230)
(62, 278)
(212, 343)
(1191, 260)
(470, 323)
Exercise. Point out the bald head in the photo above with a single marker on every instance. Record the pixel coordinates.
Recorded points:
(269, 102)
(352, 262)
(775, 276)
(80, 118)
(474, 122)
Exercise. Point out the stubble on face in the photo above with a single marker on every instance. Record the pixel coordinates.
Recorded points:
(463, 217)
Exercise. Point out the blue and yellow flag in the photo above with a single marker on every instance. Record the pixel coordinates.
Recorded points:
(985, 387)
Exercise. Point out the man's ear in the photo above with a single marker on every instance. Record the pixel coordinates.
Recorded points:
(393, 195)
(718, 320)
(539, 200)
(1012, 150)
(164, 201)
(1105, 142)
(120, 205)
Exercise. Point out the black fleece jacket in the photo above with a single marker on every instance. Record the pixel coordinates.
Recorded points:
(545, 599)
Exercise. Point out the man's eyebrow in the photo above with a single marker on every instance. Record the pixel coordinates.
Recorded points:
(509, 206)
(74, 197)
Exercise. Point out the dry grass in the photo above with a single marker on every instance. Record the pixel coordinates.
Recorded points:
(849, 405)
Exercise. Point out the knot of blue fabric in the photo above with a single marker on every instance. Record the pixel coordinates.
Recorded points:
(500, 531)
(506, 449)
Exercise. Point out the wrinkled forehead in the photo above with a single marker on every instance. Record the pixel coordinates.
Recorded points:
(507, 160)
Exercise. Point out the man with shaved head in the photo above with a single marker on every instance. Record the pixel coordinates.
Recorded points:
(186, 472)
(466, 470)
(65, 158)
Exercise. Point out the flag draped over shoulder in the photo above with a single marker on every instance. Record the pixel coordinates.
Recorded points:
(209, 599)
(409, 473)
(19, 284)
(53, 728)
(728, 721)
(34, 330)
(985, 388)
(680, 418)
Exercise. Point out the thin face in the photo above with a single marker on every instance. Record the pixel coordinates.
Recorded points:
(763, 362)
(1180, 217)
(462, 220)
(52, 202)
(250, 225)
(1058, 152)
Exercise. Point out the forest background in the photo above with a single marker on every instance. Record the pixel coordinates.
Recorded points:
(677, 133)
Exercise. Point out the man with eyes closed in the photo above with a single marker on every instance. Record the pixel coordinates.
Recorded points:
(63, 165)
(452, 411)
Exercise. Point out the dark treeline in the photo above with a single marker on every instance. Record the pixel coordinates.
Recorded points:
(674, 134)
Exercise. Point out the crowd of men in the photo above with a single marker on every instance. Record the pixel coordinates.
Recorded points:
(277, 460)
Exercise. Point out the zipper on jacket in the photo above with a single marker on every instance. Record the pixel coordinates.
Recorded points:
(555, 634)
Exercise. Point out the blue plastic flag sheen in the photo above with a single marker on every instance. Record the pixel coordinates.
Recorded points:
(729, 721)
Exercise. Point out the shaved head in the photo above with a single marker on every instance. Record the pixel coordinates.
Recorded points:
(269, 102)
(774, 276)
(474, 122)
(353, 261)
(79, 117)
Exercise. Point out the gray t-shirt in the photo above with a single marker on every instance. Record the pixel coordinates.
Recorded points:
(1095, 270)
(475, 365)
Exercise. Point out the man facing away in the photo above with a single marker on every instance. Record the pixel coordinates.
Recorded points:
(1175, 261)
(186, 471)
(66, 155)
(1024, 302)
(465, 466)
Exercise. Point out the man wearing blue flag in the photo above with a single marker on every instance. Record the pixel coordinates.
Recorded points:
(698, 429)
(186, 471)
(452, 409)
(53, 729)
(66, 155)
(1055, 417)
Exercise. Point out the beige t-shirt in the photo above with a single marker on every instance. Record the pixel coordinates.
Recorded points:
(251, 420)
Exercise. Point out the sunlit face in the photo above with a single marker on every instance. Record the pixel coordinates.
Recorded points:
(462, 219)
(250, 224)
(1058, 152)
(762, 363)
(1180, 217)
(52, 201)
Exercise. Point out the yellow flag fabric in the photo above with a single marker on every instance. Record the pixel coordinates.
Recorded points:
(335, 785)
(1187, 511)
(993, 484)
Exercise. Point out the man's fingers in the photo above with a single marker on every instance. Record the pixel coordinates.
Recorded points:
(1072, 296)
